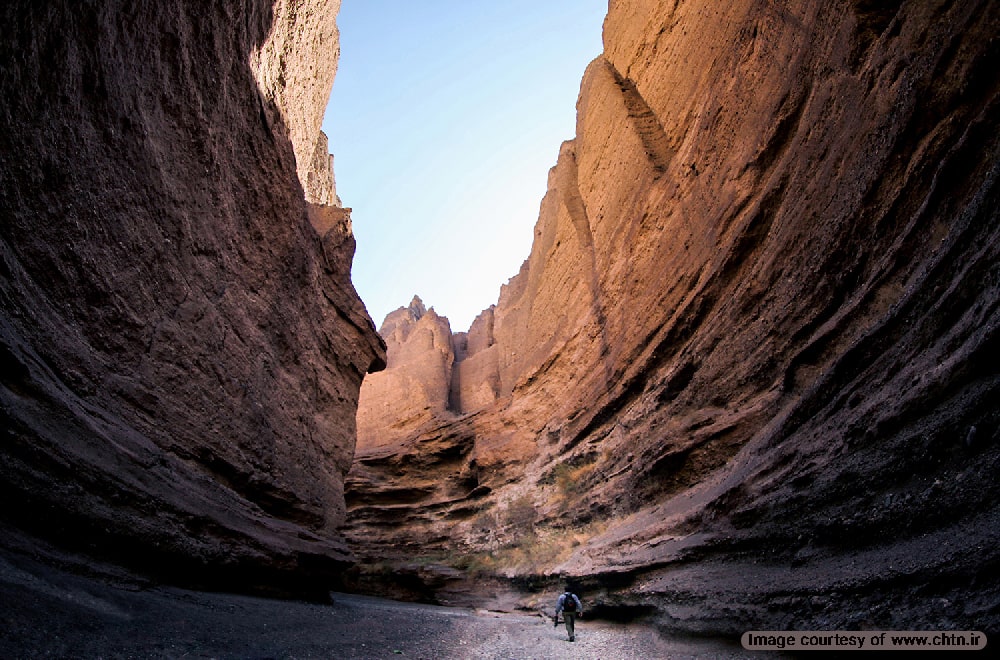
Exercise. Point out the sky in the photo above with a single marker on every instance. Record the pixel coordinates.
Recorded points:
(444, 120)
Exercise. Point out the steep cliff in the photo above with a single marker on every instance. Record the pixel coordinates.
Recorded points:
(420, 366)
(744, 379)
(181, 345)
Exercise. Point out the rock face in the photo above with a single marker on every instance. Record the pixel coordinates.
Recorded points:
(181, 345)
(744, 379)
(294, 69)
(414, 388)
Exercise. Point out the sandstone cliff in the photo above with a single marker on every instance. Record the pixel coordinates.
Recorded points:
(181, 345)
(414, 387)
(745, 377)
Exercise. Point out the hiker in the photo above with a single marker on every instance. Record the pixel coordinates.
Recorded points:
(571, 608)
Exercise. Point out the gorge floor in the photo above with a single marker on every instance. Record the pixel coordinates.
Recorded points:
(86, 618)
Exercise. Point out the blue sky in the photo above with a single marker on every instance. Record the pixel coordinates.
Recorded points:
(445, 118)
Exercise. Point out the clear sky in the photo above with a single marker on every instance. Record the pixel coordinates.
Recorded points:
(445, 118)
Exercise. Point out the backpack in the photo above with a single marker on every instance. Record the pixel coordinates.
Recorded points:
(569, 603)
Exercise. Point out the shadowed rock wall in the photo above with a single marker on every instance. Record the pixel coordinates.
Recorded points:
(181, 345)
(743, 380)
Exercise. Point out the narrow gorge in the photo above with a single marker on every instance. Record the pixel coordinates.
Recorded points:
(745, 379)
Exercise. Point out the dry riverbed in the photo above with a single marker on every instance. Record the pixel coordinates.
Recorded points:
(54, 614)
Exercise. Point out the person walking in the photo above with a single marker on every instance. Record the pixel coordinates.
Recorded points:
(571, 608)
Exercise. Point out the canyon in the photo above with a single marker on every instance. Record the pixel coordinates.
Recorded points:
(745, 379)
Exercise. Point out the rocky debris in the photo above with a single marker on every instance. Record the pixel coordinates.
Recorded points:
(181, 347)
(736, 378)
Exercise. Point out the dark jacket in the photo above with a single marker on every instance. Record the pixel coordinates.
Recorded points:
(561, 605)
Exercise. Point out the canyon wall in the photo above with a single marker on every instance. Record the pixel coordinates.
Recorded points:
(181, 344)
(745, 377)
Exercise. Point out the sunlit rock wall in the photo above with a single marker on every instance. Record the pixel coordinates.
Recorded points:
(754, 328)
(181, 349)
(294, 69)
(413, 390)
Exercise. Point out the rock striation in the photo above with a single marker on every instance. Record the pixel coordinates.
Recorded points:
(744, 377)
(181, 344)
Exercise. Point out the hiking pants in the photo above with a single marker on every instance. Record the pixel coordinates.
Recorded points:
(570, 619)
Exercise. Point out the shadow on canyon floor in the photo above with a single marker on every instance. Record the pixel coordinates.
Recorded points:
(119, 616)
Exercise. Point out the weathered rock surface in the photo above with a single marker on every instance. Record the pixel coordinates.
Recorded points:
(181, 345)
(745, 377)
(414, 388)
(294, 69)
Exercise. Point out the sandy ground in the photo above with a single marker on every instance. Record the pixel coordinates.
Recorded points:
(52, 614)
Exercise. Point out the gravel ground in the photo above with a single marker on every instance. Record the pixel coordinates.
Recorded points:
(51, 614)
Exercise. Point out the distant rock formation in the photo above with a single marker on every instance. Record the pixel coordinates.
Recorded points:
(475, 378)
(432, 374)
(418, 393)
(732, 384)
(180, 342)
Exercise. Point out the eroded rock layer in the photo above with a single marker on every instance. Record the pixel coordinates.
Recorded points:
(181, 345)
(745, 377)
